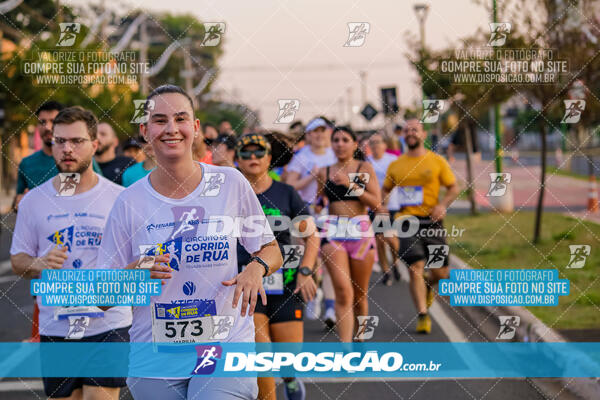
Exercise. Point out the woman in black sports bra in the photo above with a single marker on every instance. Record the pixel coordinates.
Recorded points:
(350, 186)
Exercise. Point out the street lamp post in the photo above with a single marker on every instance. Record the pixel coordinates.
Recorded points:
(421, 10)
(497, 122)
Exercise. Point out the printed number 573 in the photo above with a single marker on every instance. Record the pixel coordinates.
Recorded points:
(172, 328)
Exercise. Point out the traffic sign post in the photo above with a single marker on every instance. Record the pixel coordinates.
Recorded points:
(369, 112)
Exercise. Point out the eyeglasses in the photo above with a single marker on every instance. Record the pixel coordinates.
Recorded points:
(247, 154)
(75, 142)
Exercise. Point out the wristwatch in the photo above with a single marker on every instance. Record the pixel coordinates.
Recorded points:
(306, 271)
(261, 262)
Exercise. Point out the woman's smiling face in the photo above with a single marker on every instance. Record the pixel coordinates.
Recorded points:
(171, 126)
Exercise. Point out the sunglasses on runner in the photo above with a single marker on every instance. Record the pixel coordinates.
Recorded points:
(247, 154)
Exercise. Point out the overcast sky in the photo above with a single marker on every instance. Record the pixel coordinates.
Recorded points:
(278, 49)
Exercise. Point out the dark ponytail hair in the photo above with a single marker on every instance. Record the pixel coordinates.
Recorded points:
(358, 154)
(164, 89)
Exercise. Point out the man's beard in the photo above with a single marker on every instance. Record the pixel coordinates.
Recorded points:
(102, 149)
(80, 169)
(413, 144)
(47, 138)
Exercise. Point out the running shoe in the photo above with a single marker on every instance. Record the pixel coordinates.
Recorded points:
(376, 267)
(387, 279)
(294, 390)
(430, 295)
(424, 324)
(313, 307)
(396, 270)
(330, 318)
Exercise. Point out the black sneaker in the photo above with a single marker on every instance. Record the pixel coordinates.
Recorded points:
(396, 270)
(387, 279)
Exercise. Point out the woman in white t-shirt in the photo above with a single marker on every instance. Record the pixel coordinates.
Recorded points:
(168, 215)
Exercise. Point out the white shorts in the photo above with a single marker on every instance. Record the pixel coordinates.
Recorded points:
(198, 387)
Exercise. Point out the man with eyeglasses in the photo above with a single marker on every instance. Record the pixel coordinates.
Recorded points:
(60, 226)
(40, 166)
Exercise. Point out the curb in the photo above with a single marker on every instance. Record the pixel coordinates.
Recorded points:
(531, 329)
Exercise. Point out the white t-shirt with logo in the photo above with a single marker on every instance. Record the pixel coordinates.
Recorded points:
(46, 220)
(143, 218)
(380, 166)
(303, 162)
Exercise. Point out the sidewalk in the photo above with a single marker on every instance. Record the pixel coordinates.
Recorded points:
(563, 194)
(6, 201)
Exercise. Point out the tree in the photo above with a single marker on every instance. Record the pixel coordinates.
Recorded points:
(555, 29)
(471, 102)
(34, 34)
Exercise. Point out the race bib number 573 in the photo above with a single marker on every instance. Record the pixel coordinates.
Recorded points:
(181, 323)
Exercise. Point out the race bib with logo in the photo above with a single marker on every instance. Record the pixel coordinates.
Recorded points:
(273, 283)
(410, 195)
(77, 311)
(189, 322)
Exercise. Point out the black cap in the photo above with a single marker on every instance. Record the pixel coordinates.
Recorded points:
(132, 142)
(226, 139)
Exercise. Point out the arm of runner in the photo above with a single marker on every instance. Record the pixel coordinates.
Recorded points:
(382, 207)
(293, 179)
(249, 281)
(371, 197)
(30, 267)
(306, 284)
(18, 199)
(157, 271)
(387, 187)
(448, 180)
(321, 185)
(439, 211)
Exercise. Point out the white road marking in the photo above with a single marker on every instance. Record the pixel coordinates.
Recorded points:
(450, 329)
(21, 386)
(8, 278)
(5, 267)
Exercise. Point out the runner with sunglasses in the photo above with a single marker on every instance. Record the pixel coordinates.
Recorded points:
(290, 287)
(200, 270)
(351, 186)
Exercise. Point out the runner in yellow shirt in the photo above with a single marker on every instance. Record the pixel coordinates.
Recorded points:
(419, 174)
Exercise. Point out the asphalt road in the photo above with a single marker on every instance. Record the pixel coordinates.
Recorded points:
(396, 324)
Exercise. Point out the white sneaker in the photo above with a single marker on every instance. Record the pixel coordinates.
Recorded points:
(376, 268)
(330, 318)
(313, 307)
